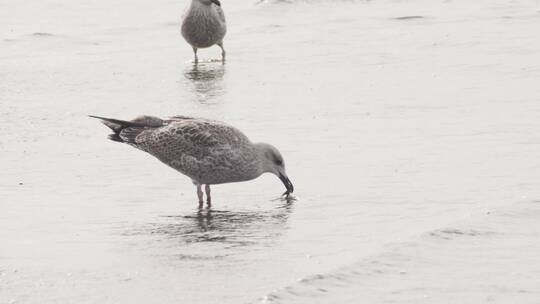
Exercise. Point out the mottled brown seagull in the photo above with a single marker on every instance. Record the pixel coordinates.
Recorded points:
(207, 151)
(204, 25)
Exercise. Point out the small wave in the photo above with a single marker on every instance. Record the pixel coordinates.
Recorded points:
(303, 1)
(42, 34)
(409, 17)
(451, 233)
(435, 265)
(195, 257)
(274, 2)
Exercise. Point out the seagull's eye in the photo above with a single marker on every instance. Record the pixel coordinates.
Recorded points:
(278, 161)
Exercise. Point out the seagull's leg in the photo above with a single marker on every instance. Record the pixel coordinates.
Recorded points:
(208, 198)
(222, 51)
(200, 195)
(195, 53)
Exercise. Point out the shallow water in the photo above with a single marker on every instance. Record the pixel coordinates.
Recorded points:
(409, 128)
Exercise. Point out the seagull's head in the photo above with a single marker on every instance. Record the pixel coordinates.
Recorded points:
(273, 162)
(209, 2)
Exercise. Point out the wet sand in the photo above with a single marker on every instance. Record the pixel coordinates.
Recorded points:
(410, 131)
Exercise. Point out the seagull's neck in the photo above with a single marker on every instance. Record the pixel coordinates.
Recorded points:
(264, 163)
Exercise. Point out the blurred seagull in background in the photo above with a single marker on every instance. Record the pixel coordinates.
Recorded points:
(207, 151)
(204, 25)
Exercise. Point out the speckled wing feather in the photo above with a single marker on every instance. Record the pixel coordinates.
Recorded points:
(195, 147)
(220, 13)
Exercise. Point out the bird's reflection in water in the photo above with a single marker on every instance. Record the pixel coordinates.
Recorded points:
(229, 228)
(206, 80)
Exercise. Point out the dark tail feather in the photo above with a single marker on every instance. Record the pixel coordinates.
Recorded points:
(117, 125)
(115, 137)
(141, 121)
(129, 129)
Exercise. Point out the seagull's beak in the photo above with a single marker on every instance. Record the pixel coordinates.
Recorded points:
(285, 180)
(216, 2)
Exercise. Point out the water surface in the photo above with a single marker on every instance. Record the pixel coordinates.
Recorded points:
(409, 128)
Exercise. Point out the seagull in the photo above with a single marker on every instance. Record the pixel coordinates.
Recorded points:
(204, 25)
(207, 151)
